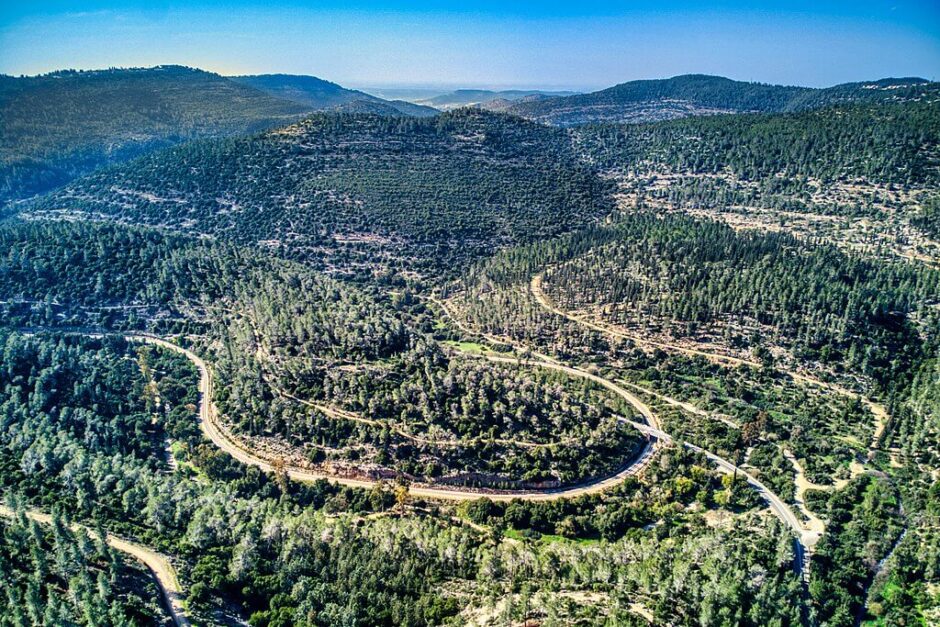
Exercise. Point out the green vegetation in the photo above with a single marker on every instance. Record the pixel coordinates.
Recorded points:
(102, 473)
(862, 177)
(758, 410)
(864, 523)
(411, 409)
(679, 277)
(887, 143)
(473, 303)
(904, 591)
(382, 570)
(752, 292)
(56, 576)
(929, 218)
(58, 126)
(666, 279)
(473, 348)
(698, 95)
(396, 192)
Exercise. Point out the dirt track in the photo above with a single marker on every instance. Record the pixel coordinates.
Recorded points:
(878, 411)
(161, 568)
(808, 535)
(209, 424)
(208, 421)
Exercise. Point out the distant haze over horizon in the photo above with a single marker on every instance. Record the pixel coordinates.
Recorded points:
(406, 90)
(516, 45)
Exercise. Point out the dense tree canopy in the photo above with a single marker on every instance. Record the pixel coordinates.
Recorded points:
(892, 143)
(477, 302)
(403, 191)
(61, 125)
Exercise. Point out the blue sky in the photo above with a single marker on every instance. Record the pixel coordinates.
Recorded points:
(577, 44)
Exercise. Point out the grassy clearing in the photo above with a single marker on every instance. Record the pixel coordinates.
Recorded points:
(528, 535)
(474, 348)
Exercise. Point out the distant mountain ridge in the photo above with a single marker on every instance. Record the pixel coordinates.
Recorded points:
(57, 126)
(483, 97)
(700, 94)
(322, 95)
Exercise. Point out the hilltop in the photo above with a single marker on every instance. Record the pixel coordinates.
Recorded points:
(423, 190)
(472, 368)
(700, 94)
(322, 95)
(61, 125)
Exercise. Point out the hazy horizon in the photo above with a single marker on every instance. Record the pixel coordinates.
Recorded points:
(389, 89)
(527, 45)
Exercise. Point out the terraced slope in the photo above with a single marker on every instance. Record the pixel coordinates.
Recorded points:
(365, 190)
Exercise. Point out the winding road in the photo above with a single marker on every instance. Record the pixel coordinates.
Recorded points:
(166, 576)
(209, 424)
(159, 566)
(878, 411)
(807, 534)
(208, 420)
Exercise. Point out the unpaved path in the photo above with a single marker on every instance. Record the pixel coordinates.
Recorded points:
(651, 427)
(878, 411)
(689, 407)
(489, 337)
(802, 484)
(808, 536)
(632, 399)
(208, 420)
(207, 414)
(163, 571)
(342, 414)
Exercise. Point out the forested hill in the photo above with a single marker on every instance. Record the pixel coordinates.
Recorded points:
(427, 190)
(698, 94)
(887, 143)
(319, 94)
(61, 125)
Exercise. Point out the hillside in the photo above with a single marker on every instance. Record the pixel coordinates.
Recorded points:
(887, 143)
(699, 94)
(58, 126)
(412, 192)
(321, 95)
(472, 369)
(862, 176)
(291, 335)
(389, 108)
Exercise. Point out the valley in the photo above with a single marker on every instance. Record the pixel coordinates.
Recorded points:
(665, 353)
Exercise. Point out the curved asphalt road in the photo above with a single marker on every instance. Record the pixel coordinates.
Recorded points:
(213, 431)
(805, 538)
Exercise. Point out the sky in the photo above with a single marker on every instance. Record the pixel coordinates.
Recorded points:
(580, 44)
